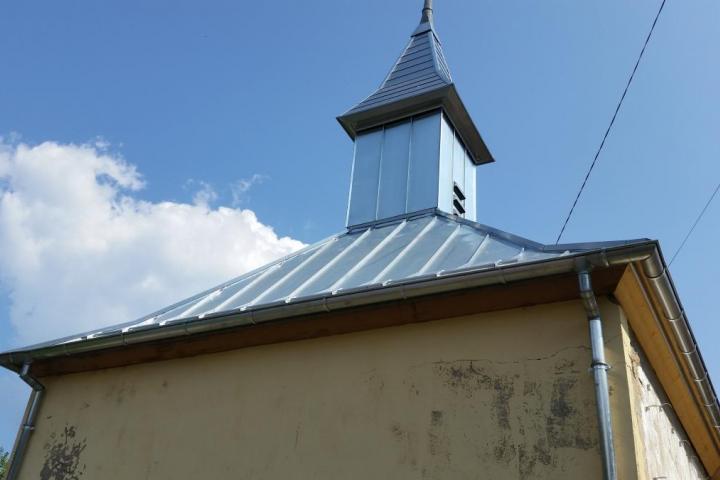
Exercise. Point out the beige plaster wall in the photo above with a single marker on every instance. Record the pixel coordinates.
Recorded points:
(505, 395)
(665, 450)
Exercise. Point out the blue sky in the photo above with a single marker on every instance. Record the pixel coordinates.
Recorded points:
(203, 96)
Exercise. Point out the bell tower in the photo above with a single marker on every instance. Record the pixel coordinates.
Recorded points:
(416, 146)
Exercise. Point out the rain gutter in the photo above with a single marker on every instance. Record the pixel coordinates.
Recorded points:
(28, 424)
(663, 292)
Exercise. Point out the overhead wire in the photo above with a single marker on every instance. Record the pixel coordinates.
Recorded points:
(695, 224)
(612, 122)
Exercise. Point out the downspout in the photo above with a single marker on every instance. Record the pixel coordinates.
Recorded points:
(29, 422)
(599, 367)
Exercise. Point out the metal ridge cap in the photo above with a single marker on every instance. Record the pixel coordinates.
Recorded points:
(334, 301)
(594, 245)
(526, 242)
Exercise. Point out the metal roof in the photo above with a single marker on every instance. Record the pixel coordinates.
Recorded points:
(420, 69)
(418, 82)
(419, 247)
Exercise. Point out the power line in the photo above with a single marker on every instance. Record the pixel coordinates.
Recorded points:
(612, 121)
(697, 220)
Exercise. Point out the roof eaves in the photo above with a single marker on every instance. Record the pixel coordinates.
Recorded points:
(328, 302)
(184, 301)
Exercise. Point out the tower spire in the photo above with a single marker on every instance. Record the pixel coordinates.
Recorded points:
(416, 146)
(427, 12)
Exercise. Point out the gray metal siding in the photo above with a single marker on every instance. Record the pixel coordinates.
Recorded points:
(395, 170)
(447, 138)
(422, 189)
(365, 177)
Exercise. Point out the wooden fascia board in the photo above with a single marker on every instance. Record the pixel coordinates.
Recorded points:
(458, 303)
(662, 353)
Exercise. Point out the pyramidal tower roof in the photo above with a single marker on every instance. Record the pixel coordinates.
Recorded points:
(419, 81)
(421, 67)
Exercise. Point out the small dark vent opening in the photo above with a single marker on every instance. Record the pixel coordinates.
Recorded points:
(458, 200)
(458, 193)
(459, 208)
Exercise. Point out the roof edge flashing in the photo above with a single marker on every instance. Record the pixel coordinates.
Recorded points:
(394, 219)
(445, 98)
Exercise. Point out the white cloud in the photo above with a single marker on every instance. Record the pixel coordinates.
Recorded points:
(205, 195)
(79, 250)
(240, 188)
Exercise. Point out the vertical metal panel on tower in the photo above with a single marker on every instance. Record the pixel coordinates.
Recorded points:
(365, 175)
(470, 188)
(392, 193)
(456, 168)
(458, 162)
(423, 173)
(445, 180)
(409, 166)
(395, 170)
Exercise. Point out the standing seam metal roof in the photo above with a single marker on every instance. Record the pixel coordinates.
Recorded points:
(424, 245)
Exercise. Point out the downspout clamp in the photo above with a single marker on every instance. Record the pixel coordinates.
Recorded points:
(29, 422)
(599, 368)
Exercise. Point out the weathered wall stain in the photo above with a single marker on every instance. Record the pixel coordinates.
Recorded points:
(375, 383)
(567, 412)
(504, 390)
(439, 446)
(120, 392)
(504, 450)
(525, 410)
(458, 399)
(436, 418)
(530, 457)
(667, 452)
(534, 453)
(297, 436)
(407, 441)
(62, 456)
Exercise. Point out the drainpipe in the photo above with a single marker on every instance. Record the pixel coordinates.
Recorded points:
(599, 368)
(28, 423)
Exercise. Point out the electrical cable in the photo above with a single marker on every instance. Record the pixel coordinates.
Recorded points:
(697, 220)
(612, 121)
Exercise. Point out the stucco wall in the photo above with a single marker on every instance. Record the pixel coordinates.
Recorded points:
(504, 395)
(665, 451)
